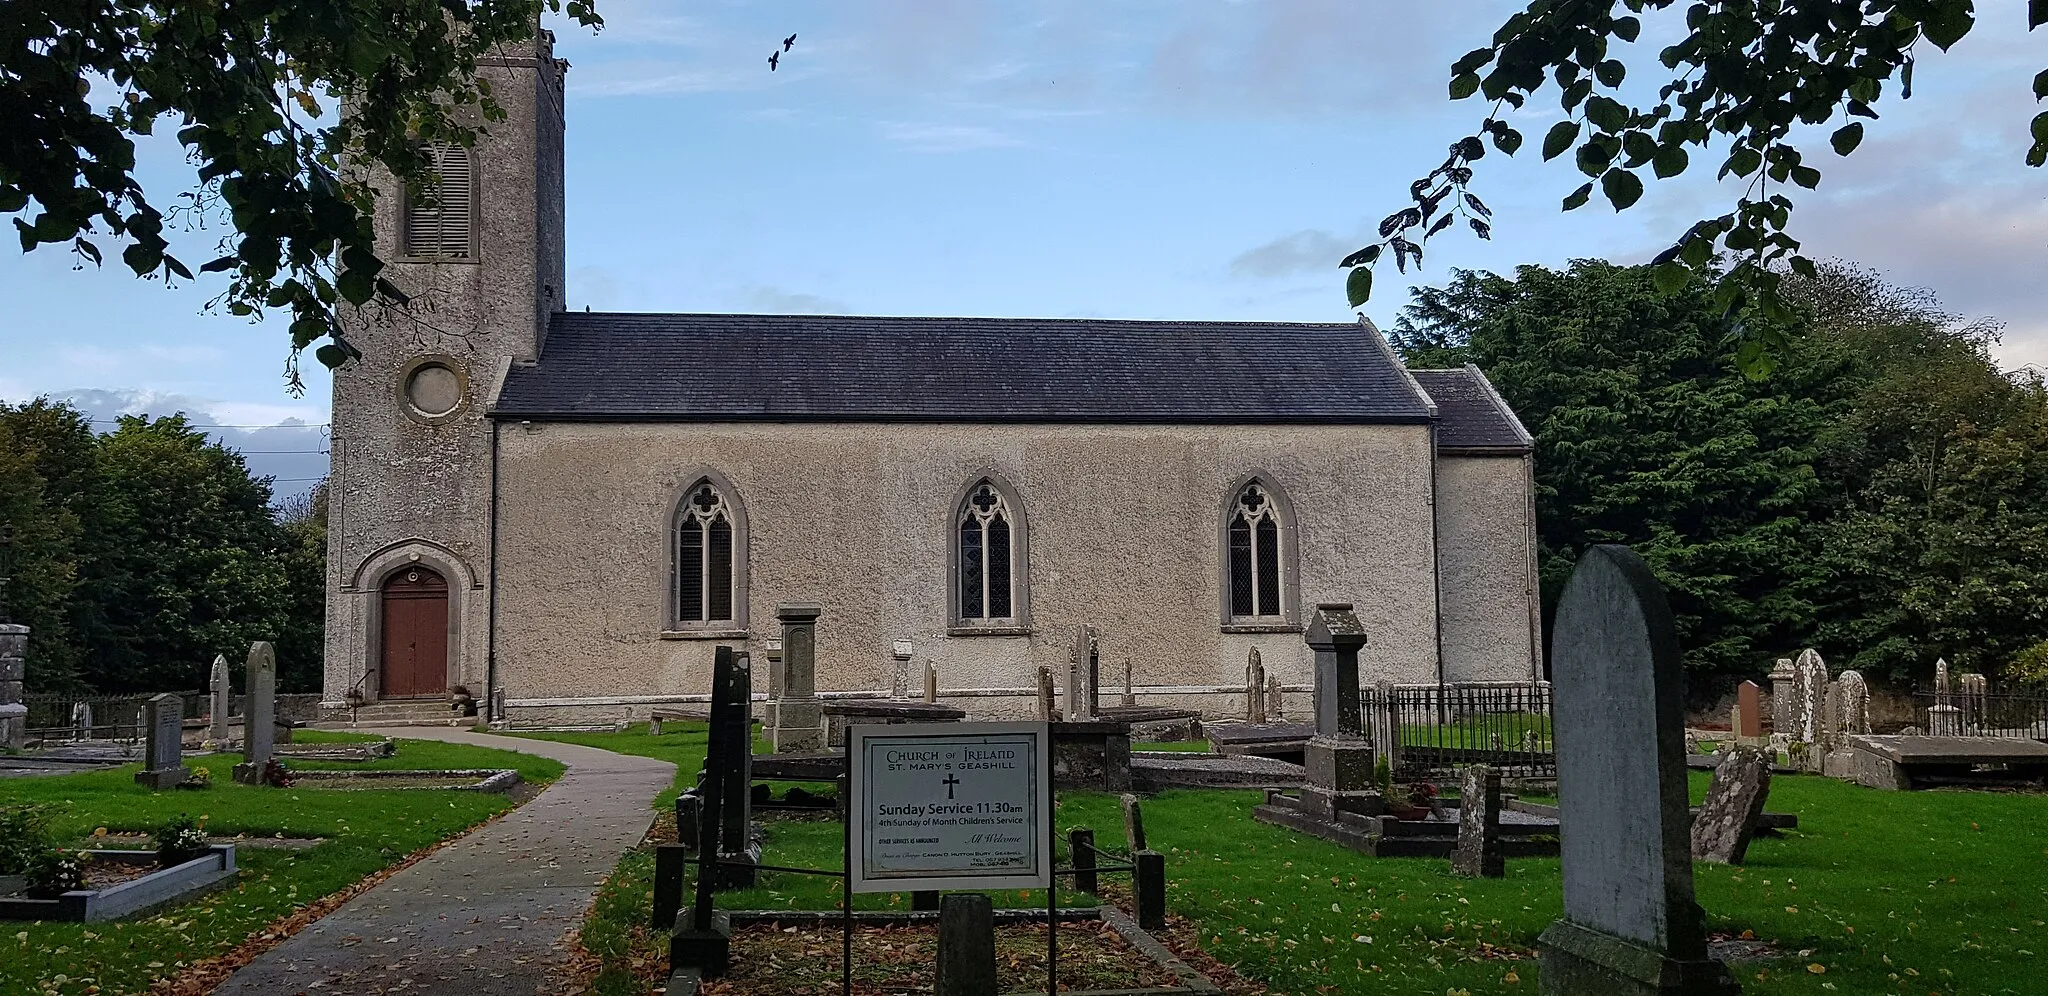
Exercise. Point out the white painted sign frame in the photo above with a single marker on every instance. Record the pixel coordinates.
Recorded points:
(862, 784)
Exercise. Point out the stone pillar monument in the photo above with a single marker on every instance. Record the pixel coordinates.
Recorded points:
(799, 716)
(1781, 701)
(259, 720)
(1630, 924)
(1083, 677)
(1254, 688)
(13, 669)
(1338, 758)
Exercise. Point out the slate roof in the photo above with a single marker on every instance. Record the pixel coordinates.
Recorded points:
(686, 367)
(1471, 417)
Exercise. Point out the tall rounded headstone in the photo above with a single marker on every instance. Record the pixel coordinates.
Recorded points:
(1631, 926)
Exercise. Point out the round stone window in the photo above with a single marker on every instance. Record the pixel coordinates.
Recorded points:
(433, 389)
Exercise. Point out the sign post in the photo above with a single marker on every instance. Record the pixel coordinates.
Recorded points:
(950, 806)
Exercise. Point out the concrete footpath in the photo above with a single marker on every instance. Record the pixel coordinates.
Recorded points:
(488, 913)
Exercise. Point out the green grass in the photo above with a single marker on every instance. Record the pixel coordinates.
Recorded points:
(364, 832)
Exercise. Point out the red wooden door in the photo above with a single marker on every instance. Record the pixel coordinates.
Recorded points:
(415, 661)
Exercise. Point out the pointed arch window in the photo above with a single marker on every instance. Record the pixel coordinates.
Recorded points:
(989, 569)
(709, 552)
(1258, 567)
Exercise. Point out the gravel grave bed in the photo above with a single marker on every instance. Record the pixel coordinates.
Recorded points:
(772, 960)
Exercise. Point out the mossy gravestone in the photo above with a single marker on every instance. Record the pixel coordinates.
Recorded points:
(1630, 925)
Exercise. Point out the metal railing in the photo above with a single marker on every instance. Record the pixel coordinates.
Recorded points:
(1432, 730)
(1969, 714)
(53, 715)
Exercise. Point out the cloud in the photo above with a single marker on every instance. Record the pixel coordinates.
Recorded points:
(1308, 250)
(284, 442)
(920, 137)
(776, 301)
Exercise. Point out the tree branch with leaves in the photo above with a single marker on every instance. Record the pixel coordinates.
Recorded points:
(1745, 76)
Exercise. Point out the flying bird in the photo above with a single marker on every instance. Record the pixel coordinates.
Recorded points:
(787, 42)
(773, 58)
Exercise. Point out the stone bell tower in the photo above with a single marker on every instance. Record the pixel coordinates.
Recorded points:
(409, 561)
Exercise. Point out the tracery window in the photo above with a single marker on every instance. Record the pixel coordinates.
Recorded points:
(1255, 590)
(710, 558)
(989, 557)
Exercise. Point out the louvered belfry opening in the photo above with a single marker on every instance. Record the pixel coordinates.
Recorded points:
(442, 226)
(1254, 554)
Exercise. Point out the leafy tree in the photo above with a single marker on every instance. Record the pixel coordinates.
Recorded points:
(1646, 434)
(1744, 78)
(253, 87)
(43, 570)
(301, 644)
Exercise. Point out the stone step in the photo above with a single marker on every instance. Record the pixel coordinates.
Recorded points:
(427, 713)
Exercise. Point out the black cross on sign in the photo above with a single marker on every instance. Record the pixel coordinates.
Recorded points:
(949, 783)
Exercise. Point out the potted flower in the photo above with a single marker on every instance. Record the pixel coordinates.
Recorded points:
(1417, 802)
(179, 840)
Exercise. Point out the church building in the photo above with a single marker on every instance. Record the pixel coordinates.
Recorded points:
(570, 509)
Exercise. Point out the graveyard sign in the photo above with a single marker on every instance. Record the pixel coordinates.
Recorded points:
(950, 806)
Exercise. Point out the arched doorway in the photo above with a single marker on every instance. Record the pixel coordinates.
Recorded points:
(415, 658)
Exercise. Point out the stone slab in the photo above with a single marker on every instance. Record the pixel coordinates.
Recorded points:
(211, 870)
(1157, 771)
(1952, 750)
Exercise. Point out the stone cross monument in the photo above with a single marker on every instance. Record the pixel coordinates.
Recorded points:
(799, 716)
(1630, 924)
(259, 720)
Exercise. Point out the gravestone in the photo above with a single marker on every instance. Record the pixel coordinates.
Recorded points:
(162, 765)
(1630, 924)
(1749, 713)
(1084, 672)
(1943, 719)
(81, 720)
(1809, 693)
(1975, 692)
(1130, 700)
(13, 669)
(1047, 712)
(1727, 819)
(1479, 853)
(259, 717)
(1849, 715)
(1254, 688)
(799, 715)
(218, 697)
(931, 684)
(1134, 824)
(1275, 708)
(967, 945)
(732, 753)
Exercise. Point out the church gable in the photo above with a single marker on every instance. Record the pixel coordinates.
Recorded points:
(674, 367)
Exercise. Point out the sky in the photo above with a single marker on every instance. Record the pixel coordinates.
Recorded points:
(1178, 159)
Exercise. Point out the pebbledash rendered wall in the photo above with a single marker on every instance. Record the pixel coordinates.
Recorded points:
(1486, 539)
(1124, 529)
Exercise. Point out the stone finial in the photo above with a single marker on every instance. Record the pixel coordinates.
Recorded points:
(1335, 625)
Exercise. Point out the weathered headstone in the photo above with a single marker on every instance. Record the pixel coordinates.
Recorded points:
(1809, 691)
(1337, 758)
(1848, 716)
(799, 715)
(1749, 713)
(931, 683)
(13, 668)
(1855, 712)
(1276, 708)
(162, 765)
(1130, 700)
(1047, 712)
(1722, 829)
(1134, 824)
(732, 731)
(219, 695)
(81, 720)
(1479, 853)
(1254, 688)
(1630, 924)
(259, 717)
(967, 945)
(1084, 673)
